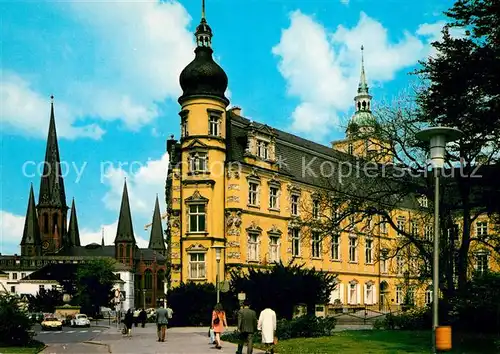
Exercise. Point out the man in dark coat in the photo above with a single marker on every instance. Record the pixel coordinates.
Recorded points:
(247, 326)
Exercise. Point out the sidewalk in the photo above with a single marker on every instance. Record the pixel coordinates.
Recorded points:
(184, 340)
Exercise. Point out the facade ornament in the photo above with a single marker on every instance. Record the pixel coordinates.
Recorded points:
(254, 227)
(233, 187)
(233, 199)
(234, 255)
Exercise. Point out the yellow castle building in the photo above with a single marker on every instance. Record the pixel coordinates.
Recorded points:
(242, 185)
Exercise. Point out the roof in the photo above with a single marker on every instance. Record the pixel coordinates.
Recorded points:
(31, 232)
(125, 229)
(95, 250)
(60, 272)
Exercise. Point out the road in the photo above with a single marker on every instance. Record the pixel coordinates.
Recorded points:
(67, 335)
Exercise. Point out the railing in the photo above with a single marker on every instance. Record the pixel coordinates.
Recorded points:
(356, 314)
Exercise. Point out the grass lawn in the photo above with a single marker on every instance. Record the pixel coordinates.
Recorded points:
(387, 342)
(19, 350)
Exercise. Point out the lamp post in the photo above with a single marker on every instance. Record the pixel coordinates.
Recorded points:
(437, 138)
(218, 251)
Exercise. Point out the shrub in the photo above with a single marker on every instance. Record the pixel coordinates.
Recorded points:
(300, 327)
(414, 319)
(15, 325)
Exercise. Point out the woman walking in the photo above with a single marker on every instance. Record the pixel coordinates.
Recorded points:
(218, 323)
(129, 321)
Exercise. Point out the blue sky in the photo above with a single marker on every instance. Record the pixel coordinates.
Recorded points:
(113, 68)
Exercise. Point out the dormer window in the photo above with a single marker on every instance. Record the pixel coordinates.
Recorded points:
(214, 125)
(184, 131)
(263, 149)
(198, 162)
(423, 201)
(350, 149)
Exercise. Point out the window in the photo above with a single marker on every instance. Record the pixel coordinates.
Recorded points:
(184, 131)
(54, 287)
(214, 126)
(369, 294)
(482, 263)
(428, 296)
(353, 243)
(45, 222)
(401, 226)
(399, 295)
(335, 247)
(14, 276)
(294, 205)
(198, 162)
(263, 149)
(481, 228)
(383, 264)
(399, 265)
(428, 233)
(41, 287)
(23, 275)
(353, 293)
(148, 279)
(414, 228)
(423, 201)
(316, 245)
(315, 209)
(350, 149)
(274, 255)
(253, 193)
(13, 289)
(55, 222)
(411, 296)
(295, 242)
(383, 227)
(273, 198)
(253, 247)
(368, 251)
(197, 266)
(197, 218)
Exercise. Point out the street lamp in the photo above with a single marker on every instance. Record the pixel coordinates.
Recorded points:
(437, 138)
(218, 251)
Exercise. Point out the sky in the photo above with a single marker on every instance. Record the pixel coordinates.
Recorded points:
(113, 68)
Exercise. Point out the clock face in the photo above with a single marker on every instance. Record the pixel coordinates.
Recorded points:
(45, 245)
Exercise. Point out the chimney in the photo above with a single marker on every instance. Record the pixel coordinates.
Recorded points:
(236, 110)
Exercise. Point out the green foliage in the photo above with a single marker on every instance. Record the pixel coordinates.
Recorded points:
(193, 303)
(300, 327)
(94, 281)
(15, 325)
(282, 287)
(414, 319)
(45, 301)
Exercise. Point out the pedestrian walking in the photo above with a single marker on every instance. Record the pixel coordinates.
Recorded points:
(267, 326)
(143, 316)
(247, 326)
(219, 323)
(129, 321)
(161, 322)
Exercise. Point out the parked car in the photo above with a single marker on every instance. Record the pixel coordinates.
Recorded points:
(80, 320)
(51, 323)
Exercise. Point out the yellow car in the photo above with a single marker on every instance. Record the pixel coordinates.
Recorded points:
(51, 323)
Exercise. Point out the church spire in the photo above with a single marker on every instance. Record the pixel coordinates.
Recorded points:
(73, 231)
(52, 193)
(125, 230)
(156, 241)
(203, 32)
(363, 85)
(31, 242)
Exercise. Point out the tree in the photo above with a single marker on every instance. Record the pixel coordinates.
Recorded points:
(94, 281)
(45, 301)
(282, 287)
(14, 323)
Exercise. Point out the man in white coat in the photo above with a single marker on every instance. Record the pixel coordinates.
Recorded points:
(267, 325)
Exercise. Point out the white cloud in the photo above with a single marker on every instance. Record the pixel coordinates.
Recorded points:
(144, 182)
(322, 69)
(88, 235)
(345, 2)
(25, 110)
(11, 231)
(141, 46)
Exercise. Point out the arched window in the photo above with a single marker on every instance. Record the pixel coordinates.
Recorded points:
(55, 219)
(364, 105)
(45, 222)
(359, 106)
(148, 279)
(129, 251)
(121, 251)
(350, 149)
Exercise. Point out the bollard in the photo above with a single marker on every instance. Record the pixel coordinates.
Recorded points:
(443, 338)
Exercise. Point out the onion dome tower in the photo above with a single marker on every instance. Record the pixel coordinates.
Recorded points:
(203, 77)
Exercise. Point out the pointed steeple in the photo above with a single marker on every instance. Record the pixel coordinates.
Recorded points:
(52, 193)
(363, 85)
(102, 240)
(156, 241)
(31, 232)
(73, 231)
(125, 230)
